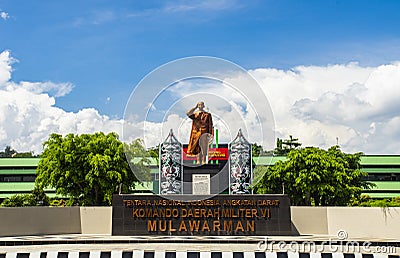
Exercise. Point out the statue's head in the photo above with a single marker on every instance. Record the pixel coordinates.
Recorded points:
(200, 105)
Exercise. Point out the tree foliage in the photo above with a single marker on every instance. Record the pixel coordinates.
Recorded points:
(36, 198)
(312, 176)
(139, 159)
(8, 152)
(18, 200)
(28, 154)
(256, 149)
(155, 152)
(11, 153)
(87, 168)
(283, 147)
(367, 201)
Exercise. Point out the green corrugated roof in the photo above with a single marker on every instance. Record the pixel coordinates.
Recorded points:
(8, 195)
(381, 170)
(145, 186)
(17, 171)
(19, 162)
(13, 166)
(17, 186)
(365, 160)
(153, 161)
(386, 185)
(380, 160)
(268, 160)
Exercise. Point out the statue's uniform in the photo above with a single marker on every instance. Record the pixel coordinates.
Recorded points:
(202, 124)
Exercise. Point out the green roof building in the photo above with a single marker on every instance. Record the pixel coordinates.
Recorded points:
(17, 175)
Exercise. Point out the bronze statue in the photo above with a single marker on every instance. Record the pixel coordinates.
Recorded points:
(202, 133)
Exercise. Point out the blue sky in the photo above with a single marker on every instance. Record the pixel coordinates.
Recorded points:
(104, 48)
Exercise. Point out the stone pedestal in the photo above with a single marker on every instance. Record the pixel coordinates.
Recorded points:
(218, 177)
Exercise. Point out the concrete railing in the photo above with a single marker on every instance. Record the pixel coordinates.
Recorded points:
(366, 222)
(358, 222)
(55, 220)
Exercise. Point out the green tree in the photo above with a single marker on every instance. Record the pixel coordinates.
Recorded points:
(256, 149)
(87, 168)
(36, 198)
(18, 200)
(29, 154)
(155, 152)
(291, 143)
(8, 152)
(139, 160)
(367, 201)
(312, 176)
(11, 153)
(283, 147)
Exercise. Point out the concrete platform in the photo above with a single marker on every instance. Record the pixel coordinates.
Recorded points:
(102, 246)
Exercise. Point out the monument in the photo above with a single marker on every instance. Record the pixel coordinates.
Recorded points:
(204, 189)
(202, 133)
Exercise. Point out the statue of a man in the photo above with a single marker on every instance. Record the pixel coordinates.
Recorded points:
(202, 133)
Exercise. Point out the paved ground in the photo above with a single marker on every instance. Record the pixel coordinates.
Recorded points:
(228, 244)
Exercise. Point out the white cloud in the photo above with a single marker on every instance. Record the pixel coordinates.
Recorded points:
(28, 114)
(359, 105)
(354, 105)
(103, 16)
(229, 107)
(53, 89)
(5, 67)
(189, 7)
(203, 5)
(96, 17)
(317, 104)
(4, 15)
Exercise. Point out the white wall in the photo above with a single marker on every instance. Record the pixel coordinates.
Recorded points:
(39, 221)
(358, 222)
(96, 220)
